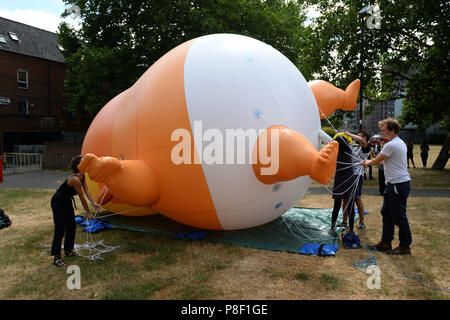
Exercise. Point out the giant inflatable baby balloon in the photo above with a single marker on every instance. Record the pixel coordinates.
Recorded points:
(221, 133)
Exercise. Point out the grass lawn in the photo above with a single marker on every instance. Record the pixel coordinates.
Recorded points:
(150, 266)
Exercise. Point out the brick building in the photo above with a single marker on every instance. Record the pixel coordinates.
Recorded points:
(32, 74)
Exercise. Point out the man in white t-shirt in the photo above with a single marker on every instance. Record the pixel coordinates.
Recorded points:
(397, 189)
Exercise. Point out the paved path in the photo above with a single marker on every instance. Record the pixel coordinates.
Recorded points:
(52, 179)
(440, 193)
(36, 180)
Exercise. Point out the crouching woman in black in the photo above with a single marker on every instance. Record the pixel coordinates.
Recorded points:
(63, 212)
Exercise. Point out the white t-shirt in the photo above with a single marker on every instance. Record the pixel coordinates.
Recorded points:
(395, 167)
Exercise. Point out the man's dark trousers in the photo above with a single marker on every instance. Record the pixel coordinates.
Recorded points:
(394, 213)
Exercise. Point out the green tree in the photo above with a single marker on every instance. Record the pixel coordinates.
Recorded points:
(119, 39)
(407, 57)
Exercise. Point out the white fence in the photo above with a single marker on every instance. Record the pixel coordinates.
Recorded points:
(22, 162)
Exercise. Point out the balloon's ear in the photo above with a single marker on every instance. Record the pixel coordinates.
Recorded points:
(329, 98)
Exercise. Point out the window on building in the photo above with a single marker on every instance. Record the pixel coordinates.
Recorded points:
(23, 106)
(13, 36)
(2, 39)
(22, 79)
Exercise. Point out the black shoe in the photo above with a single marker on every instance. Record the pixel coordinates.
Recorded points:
(381, 246)
(400, 251)
(361, 226)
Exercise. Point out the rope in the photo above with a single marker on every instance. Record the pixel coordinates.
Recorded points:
(291, 224)
(95, 248)
(364, 264)
(357, 166)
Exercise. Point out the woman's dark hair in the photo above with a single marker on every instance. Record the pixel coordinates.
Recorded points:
(74, 163)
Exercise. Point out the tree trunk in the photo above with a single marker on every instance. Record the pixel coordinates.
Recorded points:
(442, 159)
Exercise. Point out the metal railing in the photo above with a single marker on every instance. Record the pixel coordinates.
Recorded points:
(22, 162)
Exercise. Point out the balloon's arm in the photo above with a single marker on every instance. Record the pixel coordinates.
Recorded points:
(292, 156)
(129, 181)
(329, 98)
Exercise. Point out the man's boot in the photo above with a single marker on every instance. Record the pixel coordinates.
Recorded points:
(381, 246)
(400, 251)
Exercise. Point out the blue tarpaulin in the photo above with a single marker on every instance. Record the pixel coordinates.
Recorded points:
(290, 232)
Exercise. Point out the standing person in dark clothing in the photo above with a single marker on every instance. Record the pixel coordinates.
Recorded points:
(381, 181)
(361, 151)
(397, 190)
(345, 184)
(370, 157)
(410, 154)
(63, 212)
(424, 148)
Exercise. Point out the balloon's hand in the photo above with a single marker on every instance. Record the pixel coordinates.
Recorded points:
(100, 169)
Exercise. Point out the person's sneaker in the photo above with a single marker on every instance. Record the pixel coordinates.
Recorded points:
(381, 246)
(342, 225)
(400, 251)
(332, 232)
(361, 226)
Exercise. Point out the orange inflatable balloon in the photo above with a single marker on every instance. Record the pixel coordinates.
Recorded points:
(223, 132)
